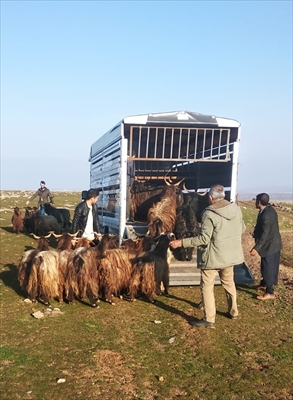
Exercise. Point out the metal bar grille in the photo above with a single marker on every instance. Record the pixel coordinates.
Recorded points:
(195, 144)
(204, 142)
(212, 143)
(171, 146)
(156, 141)
(179, 144)
(147, 144)
(164, 143)
(139, 142)
(187, 145)
(179, 147)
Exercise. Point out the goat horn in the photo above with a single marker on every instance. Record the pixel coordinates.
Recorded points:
(55, 234)
(185, 188)
(73, 234)
(157, 237)
(165, 180)
(35, 236)
(139, 234)
(202, 194)
(178, 183)
(76, 233)
(49, 235)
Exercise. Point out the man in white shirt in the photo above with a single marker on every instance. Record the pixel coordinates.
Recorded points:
(86, 216)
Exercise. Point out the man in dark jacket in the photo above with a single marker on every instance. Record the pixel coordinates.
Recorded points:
(86, 216)
(268, 245)
(44, 195)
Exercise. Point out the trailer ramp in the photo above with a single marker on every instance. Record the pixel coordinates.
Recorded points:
(186, 273)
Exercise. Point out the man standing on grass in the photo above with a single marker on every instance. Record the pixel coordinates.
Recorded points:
(268, 245)
(86, 216)
(44, 195)
(219, 248)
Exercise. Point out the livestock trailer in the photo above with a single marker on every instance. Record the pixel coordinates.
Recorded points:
(146, 150)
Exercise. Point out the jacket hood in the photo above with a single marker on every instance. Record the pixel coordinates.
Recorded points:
(224, 209)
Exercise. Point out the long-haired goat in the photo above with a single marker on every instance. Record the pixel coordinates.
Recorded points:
(162, 215)
(114, 273)
(83, 281)
(17, 220)
(25, 262)
(151, 268)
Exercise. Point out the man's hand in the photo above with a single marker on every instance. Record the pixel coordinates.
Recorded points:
(253, 252)
(174, 244)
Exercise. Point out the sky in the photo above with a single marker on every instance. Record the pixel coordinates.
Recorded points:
(71, 70)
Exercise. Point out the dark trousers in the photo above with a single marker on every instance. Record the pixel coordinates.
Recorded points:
(269, 267)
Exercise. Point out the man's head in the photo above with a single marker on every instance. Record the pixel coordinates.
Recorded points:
(262, 200)
(43, 183)
(216, 193)
(92, 196)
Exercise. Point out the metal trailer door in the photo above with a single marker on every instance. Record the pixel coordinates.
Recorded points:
(234, 175)
(123, 184)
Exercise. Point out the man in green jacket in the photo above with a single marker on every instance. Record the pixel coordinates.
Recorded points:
(219, 248)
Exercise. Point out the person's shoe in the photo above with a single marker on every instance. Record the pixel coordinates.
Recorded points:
(202, 323)
(260, 287)
(228, 315)
(266, 296)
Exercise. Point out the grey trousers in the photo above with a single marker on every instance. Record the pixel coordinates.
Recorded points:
(207, 289)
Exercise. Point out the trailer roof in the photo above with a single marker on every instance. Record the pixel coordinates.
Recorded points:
(179, 117)
(168, 119)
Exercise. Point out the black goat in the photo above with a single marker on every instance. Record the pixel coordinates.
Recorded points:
(186, 226)
(41, 225)
(61, 214)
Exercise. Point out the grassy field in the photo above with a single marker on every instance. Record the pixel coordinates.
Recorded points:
(118, 352)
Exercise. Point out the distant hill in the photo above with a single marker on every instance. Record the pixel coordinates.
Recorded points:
(286, 197)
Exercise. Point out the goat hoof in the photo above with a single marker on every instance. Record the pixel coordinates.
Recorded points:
(95, 305)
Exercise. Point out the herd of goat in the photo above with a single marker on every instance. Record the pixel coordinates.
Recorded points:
(78, 269)
(104, 270)
(57, 219)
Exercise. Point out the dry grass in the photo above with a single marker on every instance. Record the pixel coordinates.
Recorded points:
(117, 352)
